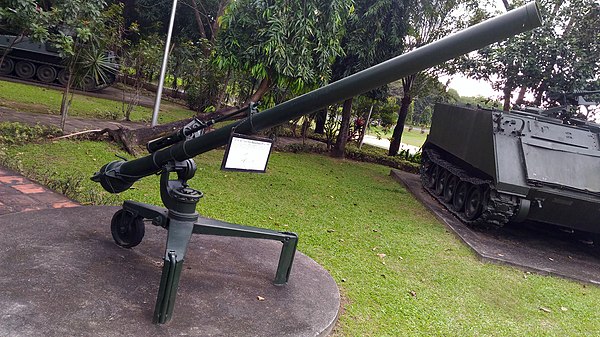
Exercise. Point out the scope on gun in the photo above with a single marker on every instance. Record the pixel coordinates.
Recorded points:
(194, 129)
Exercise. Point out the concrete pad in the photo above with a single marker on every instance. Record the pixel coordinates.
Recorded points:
(29, 188)
(62, 275)
(530, 246)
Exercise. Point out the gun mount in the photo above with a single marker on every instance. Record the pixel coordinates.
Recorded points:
(180, 200)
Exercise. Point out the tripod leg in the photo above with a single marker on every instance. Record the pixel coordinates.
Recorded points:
(286, 258)
(178, 238)
(289, 240)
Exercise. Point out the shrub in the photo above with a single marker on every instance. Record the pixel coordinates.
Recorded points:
(18, 133)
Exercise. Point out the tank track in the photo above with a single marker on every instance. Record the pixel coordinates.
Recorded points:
(497, 208)
(55, 83)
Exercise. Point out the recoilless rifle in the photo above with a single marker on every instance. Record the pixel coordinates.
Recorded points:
(174, 155)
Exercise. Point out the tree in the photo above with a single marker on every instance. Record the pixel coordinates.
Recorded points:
(277, 42)
(375, 34)
(73, 28)
(428, 21)
(22, 17)
(562, 55)
(430, 91)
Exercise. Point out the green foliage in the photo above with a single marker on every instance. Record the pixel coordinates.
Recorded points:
(23, 17)
(386, 112)
(562, 55)
(202, 80)
(291, 43)
(143, 58)
(430, 92)
(17, 133)
(371, 154)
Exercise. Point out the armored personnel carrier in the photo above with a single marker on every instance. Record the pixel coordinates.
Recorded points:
(490, 167)
(40, 62)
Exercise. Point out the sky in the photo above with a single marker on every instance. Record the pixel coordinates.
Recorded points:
(470, 87)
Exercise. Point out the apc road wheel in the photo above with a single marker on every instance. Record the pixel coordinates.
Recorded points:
(46, 74)
(25, 69)
(474, 203)
(460, 196)
(127, 230)
(441, 180)
(596, 244)
(451, 184)
(428, 170)
(63, 77)
(88, 83)
(7, 66)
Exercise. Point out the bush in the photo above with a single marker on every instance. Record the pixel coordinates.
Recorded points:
(368, 154)
(375, 155)
(18, 133)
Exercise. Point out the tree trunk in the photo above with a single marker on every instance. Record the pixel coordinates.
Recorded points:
(342, 139)
(521, 98)
(214, 29)
(320, 119)
(65, 102)
(507, 6)
(198, 18)
(361, 139)
(263, 87)
(399, 128)
(507, 95)
(223, 91)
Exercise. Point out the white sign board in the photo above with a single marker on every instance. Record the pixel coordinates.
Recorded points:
(245, 153)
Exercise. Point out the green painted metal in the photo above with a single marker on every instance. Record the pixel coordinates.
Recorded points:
(181, 220)
(546, 165)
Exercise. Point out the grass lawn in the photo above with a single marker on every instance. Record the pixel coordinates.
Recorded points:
(347, 215)
(24, 97)
(413, 137)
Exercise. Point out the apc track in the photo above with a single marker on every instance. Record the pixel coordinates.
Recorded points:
(474, 200)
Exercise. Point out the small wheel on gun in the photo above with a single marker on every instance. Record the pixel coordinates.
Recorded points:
(127, 230)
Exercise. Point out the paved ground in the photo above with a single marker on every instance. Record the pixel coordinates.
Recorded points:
(72, 124)
(62, 275)
(528, 245)
(18, 194)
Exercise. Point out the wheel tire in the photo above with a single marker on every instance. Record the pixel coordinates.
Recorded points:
(46, 74)
(451, 184)
(441, 180)
(7, 66)
(428, 174)
(88, 83)
(474, 203)
(63, 77)
(460, 196)
(25, 69)
(596, 244)
(127, 230)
